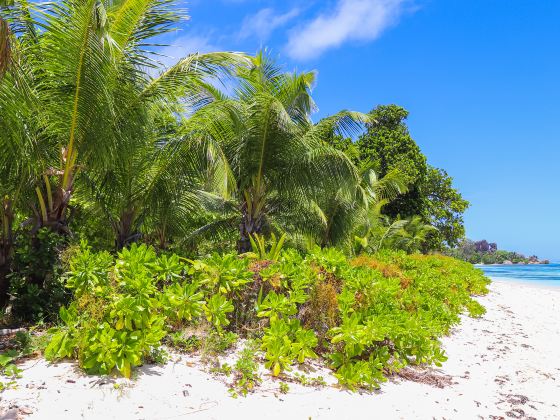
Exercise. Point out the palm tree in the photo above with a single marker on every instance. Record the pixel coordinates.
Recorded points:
(383, 233)
(277, 159)
(153, 189)
(79, 103)
(22, 152)
(349, 212)
(104, 111)
(92, 96)
(411, 236)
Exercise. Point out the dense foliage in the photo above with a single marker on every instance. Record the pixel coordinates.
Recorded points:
(388, 145)
(367, 316)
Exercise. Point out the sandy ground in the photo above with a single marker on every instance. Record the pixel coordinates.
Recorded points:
(505, 365)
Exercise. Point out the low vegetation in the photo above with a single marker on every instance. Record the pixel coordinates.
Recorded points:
(365, 317)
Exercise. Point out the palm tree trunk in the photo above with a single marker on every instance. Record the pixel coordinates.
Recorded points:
(245, 231)
(5, 47)
(251, 223)
(161, 236)
(125, 229)
(6, 247)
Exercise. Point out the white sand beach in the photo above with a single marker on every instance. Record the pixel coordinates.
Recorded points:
(504, 365)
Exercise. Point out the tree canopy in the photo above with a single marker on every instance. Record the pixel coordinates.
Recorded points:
(388, 145)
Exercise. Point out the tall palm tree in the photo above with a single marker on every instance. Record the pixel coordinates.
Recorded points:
(101, 110)
(87, 75)
(277, 157)
(78, 104)
(153, 189)
(20, 124)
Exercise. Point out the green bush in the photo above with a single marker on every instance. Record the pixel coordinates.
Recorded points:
(285, 342)
(36, 285)
(115, 320)
(367, 317)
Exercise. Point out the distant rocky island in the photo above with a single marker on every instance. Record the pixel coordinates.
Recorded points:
(484, 252)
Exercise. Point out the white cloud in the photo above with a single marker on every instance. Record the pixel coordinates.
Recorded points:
(350, 20)
(185, 45)
(264, 22)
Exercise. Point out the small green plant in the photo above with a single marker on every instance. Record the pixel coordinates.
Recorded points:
(9, 369)
(89, 271)
(217, 309)
(304, 343)
(275, 305)
(39, 341)
(277, 346)
(168, 268)
(246, 370)
(222, 369)
(184, 342)
(223, 274)
(183, 301)
(285, 342)
(215, 343)
(158, 356)
(284, 388)
(319, 381)
(7, 366)
(23, 341)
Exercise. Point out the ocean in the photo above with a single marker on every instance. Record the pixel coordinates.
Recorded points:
(538, 274)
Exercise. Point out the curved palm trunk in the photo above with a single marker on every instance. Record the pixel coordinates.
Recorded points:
(54, 210)
(247, 227)
(252, 220)
(125, 229)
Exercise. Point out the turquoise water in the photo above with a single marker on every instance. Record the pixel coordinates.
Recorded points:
(542, 274)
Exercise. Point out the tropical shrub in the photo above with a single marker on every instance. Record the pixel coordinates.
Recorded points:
(125, 305)
(285, 342)
(367, 317)
(36, 287)
(115, 320)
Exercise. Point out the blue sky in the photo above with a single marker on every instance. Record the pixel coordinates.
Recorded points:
(480, 79)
